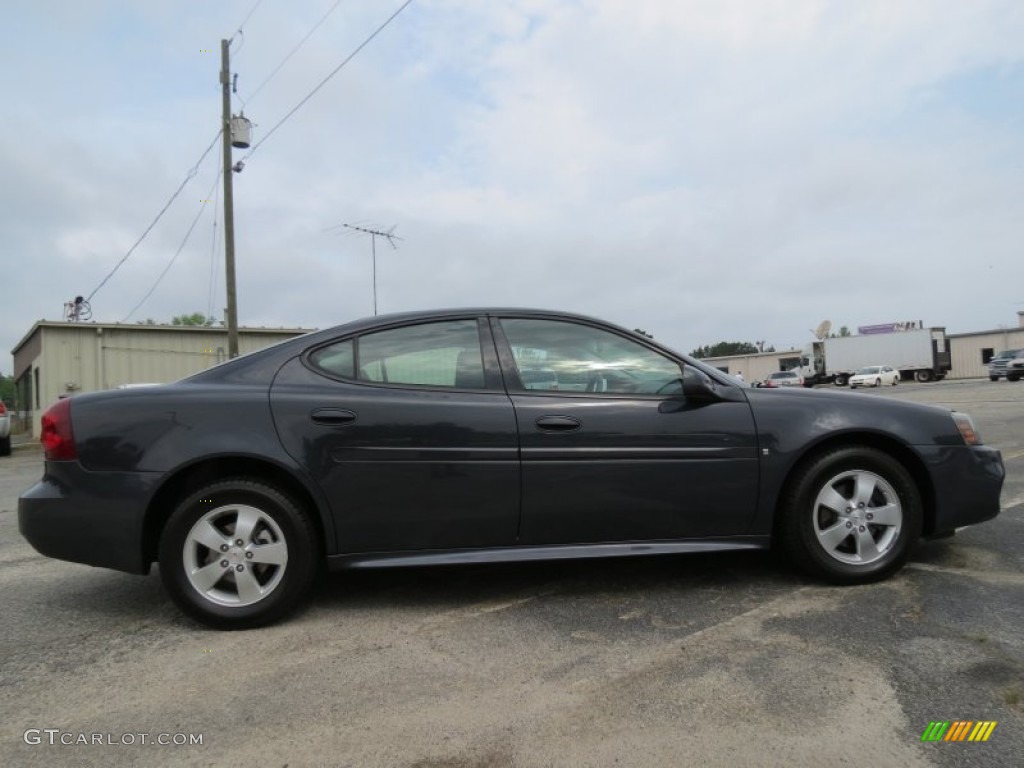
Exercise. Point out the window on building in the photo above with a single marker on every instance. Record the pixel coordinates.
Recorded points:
(987, 353)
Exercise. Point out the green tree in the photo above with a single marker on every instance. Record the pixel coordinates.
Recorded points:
(196, 318)
(724, 348)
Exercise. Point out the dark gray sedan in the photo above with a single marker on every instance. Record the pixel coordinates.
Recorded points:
(483, 436)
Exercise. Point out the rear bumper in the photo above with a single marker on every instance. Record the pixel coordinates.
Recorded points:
(967, 484)
(95, 518)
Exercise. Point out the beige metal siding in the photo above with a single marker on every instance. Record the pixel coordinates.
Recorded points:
(965, 350)
(88, 357)
(754, 367)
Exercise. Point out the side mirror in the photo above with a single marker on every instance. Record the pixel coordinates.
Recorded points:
(697, 385)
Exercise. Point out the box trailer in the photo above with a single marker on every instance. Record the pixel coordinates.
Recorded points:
(917, 353)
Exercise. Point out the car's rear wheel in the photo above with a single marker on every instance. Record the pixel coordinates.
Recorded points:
(238, 554)
(1013, 377)
(851, 515)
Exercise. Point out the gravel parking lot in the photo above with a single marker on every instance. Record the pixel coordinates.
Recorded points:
(714, 660)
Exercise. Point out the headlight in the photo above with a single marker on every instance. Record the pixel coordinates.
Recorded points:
(967, 429)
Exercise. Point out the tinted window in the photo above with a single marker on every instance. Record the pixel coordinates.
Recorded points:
(337, 359)
(567, 357)
(432, 354)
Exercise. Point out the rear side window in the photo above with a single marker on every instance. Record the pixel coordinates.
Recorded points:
(445, 354)
(337, 359)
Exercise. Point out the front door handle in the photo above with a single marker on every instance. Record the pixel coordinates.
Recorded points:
(557, 424)
(332, 417)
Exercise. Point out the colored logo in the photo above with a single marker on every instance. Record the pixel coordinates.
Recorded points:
(958, 730)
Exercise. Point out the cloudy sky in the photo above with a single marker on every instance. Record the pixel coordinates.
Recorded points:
(704, 169)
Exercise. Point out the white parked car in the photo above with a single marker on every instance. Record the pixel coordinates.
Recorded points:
(875, 376)
(5, 430)
(781, 379)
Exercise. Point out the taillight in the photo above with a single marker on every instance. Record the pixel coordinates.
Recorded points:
(3, 408)
(56, 436)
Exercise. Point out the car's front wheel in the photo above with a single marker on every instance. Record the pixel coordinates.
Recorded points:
(850, 515)
(238, 554)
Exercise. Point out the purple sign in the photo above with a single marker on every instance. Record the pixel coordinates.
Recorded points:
(882, 328)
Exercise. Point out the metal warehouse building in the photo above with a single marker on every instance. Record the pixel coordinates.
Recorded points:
(60, 358)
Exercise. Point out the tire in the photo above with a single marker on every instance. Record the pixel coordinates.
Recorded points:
(814, 533)
(878, 382)
(5, 446)
(923, 375)
(276, 560)
(993, 378)
(896, 381)
(1013, 377)
(841, 381)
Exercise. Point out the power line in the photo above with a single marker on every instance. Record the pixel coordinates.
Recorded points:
(292, 53)
(177, 253)
(188, 177)
(247, 17)
(323, 82)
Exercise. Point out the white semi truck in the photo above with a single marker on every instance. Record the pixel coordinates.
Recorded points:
(917, 353)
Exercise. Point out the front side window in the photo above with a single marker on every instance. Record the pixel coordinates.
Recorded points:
(559, 356)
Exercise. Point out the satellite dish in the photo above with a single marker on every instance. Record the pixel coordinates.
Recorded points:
(821, 332)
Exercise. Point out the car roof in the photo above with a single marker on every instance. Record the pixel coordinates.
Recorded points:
(263, 363)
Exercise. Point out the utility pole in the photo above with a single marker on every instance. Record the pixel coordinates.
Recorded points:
(229, 200)
(374, 234)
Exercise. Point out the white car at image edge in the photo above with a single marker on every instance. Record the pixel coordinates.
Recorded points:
(5, 430)
(875, 376)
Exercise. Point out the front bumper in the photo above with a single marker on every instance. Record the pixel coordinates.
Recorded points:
(95, 518)
(967, 483)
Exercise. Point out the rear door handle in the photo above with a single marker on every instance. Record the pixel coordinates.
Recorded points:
(332, 417)
(557, 424)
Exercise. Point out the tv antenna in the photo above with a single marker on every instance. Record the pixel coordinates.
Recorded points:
(389, 235)
(78, 310)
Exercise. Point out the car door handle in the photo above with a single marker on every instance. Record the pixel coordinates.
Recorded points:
(332, 417)
(557, 424)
